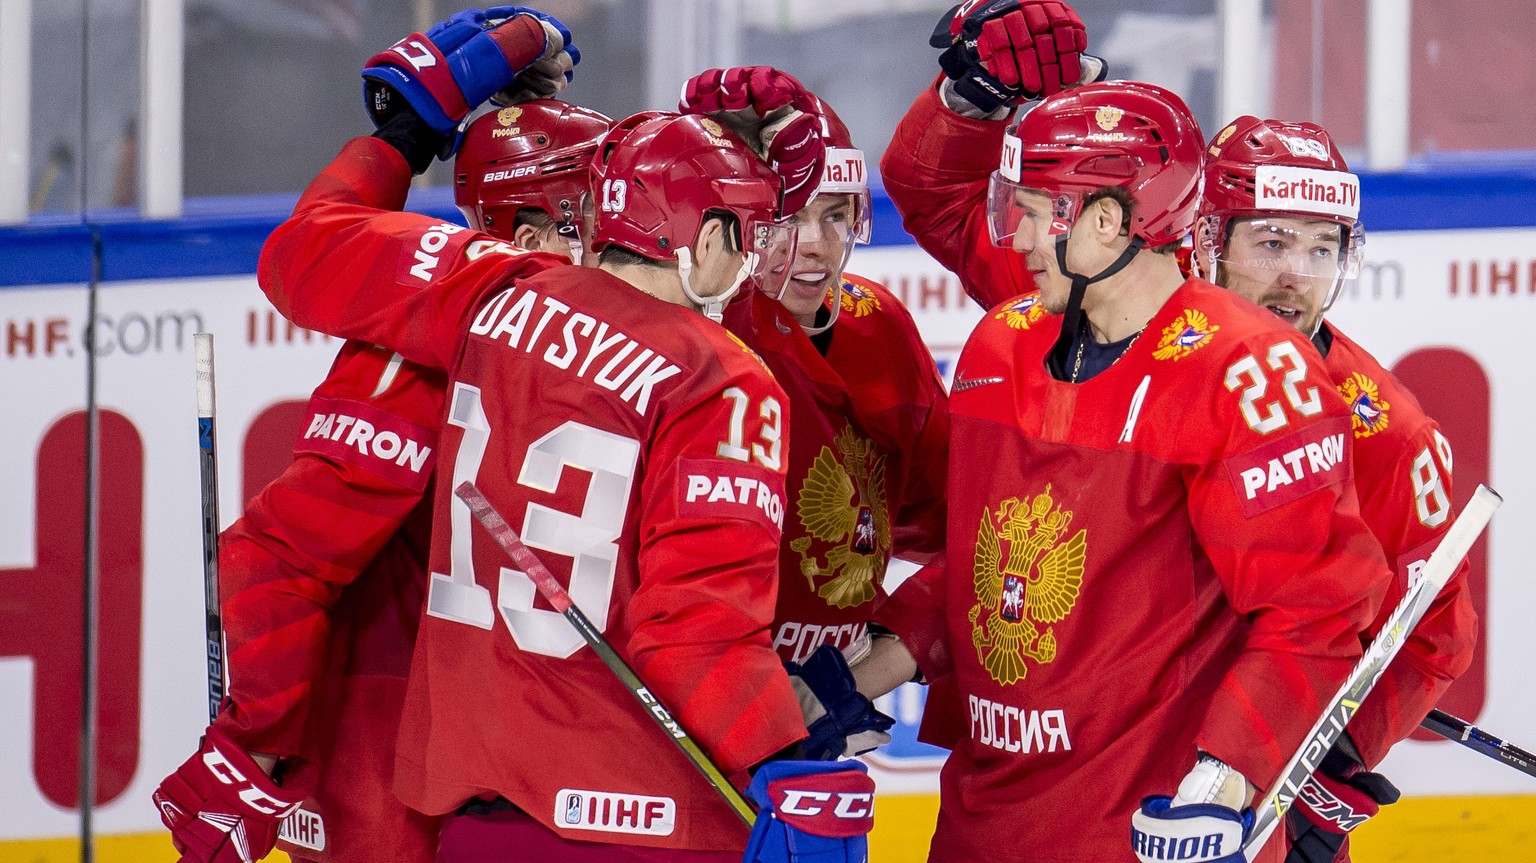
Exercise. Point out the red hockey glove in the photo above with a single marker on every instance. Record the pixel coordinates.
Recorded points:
(221, 807)
(811, 812)
(1002, 52)
(1335, 800)
(791, 141)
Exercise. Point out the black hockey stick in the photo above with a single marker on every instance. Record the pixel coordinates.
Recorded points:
(1478, 740)
(545, 581)
(1415, 603)
(207, 444)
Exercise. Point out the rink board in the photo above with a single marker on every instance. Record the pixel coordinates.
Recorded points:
(1462, 301)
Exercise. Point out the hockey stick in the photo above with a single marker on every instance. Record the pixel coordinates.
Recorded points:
(1478, 740)
(1415, 603)
(213, 621)
(545, 581)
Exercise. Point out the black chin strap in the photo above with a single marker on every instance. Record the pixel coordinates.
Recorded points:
(1072, 319)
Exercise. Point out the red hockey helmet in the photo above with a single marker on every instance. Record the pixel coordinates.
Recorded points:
(533, 154)
(658, 176)
(1134, 135)
(1257, 169)
(845, 171)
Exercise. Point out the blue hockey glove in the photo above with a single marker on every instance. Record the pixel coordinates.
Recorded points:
(811, 812)
(1195, 826)
(450, 70)
(838, 719)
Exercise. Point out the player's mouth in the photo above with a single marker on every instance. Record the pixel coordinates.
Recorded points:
(809, 282)
(1287, 312)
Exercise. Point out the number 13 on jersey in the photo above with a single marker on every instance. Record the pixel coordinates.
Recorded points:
(589, 538)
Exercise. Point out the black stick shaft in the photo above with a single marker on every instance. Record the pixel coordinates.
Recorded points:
(208, 462)
(1478, 740)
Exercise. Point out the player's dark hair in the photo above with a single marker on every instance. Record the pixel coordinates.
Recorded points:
(532, 216)
(1122, 196)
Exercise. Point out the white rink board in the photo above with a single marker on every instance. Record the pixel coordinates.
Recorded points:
(150, 382)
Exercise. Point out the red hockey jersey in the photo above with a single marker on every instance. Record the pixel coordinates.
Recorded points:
(307, 640)
(1168, 556)
(637, 447)
(936, 171)
(1403, 472)
(867, 464)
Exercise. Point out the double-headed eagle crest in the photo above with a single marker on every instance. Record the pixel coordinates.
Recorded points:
(843, 502)
(1367, 410)
(1025, 575)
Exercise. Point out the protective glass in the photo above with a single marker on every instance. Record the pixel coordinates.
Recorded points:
(1012, 207)
(834, 223)
(770, 248)
(1321, 254)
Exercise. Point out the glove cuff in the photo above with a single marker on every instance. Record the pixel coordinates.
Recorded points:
(414, 138)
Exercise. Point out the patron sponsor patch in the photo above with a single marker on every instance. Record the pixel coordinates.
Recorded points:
(419, 263)
(360, 434)
(710, 488)
(1287, 469)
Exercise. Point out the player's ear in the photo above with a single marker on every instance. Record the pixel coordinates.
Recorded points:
(1107, 219)
(526, 236)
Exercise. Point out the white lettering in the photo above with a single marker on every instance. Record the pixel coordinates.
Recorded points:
(1015, 729)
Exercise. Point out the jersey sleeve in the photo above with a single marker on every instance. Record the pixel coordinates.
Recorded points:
(1410, 512)
(915, 612)
(348, 263)
(708, 561)
(363, 461)
(936, 171)
(1277, 514)
(920, 523)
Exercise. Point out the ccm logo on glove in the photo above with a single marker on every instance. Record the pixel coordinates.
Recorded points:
(254, 797)
(841, 804)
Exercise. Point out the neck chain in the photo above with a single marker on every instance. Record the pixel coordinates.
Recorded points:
(1082, 346)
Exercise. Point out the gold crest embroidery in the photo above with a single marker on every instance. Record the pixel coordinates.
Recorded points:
(859, 300)
(748, 351)
(1367, 411)
(1036, 583)
(1022, 313)
(1189, 332)
(843, 503)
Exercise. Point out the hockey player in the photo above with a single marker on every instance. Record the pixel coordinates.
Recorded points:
(325, 574)
(1161, 573)
(712, 661)
(868, 457)
(1280, 227)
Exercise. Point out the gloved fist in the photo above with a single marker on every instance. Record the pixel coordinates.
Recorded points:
(450, 70)
(1002, 52)
(838, 719)
(774, 114)
(811, 812)
(1200, 824)
(1336, 799)
(221, 807)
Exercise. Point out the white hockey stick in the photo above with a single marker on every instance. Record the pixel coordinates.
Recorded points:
(1436, 572)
